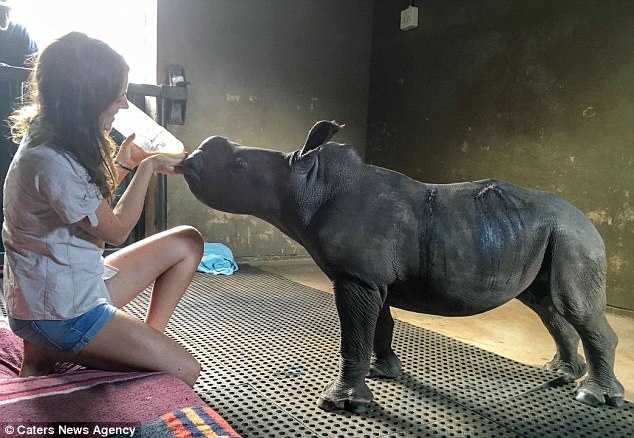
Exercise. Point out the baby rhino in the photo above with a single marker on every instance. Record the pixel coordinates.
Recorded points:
(445, 249)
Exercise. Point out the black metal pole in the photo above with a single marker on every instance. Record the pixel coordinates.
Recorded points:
(161, 187)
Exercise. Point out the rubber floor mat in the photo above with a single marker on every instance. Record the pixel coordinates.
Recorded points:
(269, 345)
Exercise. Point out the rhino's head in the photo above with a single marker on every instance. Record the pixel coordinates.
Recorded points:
(246, 180)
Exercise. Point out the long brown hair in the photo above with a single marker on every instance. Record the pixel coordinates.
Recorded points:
(75, 79)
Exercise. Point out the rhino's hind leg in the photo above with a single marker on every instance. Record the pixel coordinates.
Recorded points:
(577, 290)
(385, 363)
(567, 360)
(599, 344)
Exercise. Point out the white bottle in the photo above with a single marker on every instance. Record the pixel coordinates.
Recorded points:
(149, 135)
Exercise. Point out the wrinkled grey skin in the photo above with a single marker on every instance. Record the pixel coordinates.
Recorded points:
(456, 249)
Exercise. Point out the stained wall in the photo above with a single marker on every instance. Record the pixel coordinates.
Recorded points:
(262, 73)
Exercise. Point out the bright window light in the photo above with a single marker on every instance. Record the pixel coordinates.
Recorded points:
(128, 26)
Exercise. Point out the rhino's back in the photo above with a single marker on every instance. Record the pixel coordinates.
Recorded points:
(466, 238)
(484, 242)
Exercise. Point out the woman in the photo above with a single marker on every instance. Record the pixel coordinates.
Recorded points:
(62, 297)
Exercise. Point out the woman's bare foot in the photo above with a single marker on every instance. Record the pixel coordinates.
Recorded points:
(37, 360)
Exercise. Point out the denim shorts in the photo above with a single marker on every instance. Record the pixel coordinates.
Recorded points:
(65, 335)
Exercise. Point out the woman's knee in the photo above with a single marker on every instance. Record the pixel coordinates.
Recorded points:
(191, 372)
(189, 239)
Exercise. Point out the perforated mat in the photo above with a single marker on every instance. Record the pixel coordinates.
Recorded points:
(269, 345)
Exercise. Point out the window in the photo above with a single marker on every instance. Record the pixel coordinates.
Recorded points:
(127, 26)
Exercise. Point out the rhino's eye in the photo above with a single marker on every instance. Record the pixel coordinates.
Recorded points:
(239, 165)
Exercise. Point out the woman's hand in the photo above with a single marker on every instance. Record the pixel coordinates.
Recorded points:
(164, 164)
(130, 154)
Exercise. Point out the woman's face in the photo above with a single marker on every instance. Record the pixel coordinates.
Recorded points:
(107, 117)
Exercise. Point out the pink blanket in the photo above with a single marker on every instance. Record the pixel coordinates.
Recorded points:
(85, 396)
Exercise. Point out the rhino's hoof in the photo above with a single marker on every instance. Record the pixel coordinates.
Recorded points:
(593, 394)
(354, 406)
(383, 373)
(328, 405)
(590, 398)
(615, 401)
(569, 371)
(388, 367)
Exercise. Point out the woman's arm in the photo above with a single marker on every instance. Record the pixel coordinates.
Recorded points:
(114, 225)
(129, 156)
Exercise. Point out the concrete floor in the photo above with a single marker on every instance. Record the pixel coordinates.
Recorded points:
(511, 330)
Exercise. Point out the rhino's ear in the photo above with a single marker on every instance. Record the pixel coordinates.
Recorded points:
(320, 134)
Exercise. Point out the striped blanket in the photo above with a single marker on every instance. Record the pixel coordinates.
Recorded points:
(185, 423)
(16, 390)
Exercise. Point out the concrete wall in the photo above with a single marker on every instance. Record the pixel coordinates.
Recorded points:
(539, 93)
(262, 73)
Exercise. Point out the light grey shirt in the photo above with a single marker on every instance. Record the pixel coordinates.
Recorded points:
(52, 268)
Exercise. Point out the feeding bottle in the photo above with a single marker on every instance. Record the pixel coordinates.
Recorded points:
(149, 135)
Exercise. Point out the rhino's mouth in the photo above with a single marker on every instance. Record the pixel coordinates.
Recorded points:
(190, 172)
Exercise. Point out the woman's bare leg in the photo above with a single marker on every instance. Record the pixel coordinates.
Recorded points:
(169, 259)
(37, 360)
(123, 344)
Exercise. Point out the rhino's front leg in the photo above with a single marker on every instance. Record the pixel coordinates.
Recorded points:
(385, 363)
(358, 307)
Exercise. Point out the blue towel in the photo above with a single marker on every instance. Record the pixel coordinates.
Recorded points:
(217, 259)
